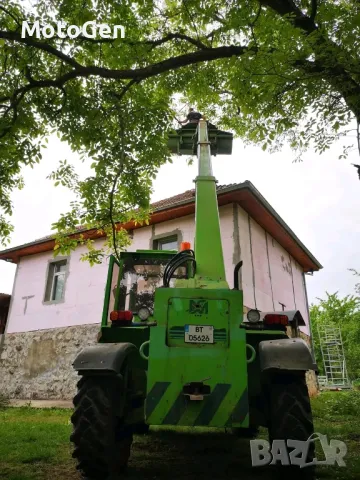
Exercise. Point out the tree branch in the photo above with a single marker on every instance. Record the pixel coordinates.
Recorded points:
(297, 17)
(120, 96)
(334, 72)
(173, 63)
(112, 193)
(314, 7)
(204, 54)
(174, 36)
(29, 41)
(16, 20)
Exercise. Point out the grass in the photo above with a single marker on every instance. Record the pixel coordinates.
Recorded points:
(337, 415)
(35, 446)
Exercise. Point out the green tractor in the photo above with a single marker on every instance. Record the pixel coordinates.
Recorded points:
(174, 347)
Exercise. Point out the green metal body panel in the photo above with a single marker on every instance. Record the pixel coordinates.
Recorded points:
(210, 268)
(173, 363)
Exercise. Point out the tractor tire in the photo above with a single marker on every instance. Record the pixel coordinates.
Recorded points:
(290, 417)
(102, 442)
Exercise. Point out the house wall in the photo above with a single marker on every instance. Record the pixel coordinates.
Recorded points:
(42, 340)
(84, 287)
(83, 299)
(269, 274)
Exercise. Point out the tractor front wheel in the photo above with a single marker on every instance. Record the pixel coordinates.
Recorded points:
(290, 417)
(102, 441)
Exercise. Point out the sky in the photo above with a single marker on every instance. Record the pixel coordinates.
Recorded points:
(318, 198)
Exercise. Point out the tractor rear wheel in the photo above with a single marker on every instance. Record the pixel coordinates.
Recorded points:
(290, 417)
(102, 441)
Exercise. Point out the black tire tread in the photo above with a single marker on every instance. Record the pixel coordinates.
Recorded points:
(290, 417)
(102, 445)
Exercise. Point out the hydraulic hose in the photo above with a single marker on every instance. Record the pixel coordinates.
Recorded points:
(177, 261)
(236, 275)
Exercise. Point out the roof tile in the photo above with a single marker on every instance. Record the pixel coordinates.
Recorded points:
(159, 205)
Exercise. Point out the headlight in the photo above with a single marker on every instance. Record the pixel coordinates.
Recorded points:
(253, 316)
(143, 313)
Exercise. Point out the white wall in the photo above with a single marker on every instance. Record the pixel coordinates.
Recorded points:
(269, 275)
(83, 300)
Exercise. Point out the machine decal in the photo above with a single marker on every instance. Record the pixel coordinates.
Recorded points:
(212, 403)
(176, 332)
(155, 395)
(209, 407)
(198, 307)
(240, 411)
(176, 411)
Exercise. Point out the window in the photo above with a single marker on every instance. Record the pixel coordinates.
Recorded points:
(55, 281)
(166, 243)
(139, 280)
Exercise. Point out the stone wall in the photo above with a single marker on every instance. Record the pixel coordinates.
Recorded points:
(38, 365)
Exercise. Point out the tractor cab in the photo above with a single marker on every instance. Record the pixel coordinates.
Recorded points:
(130, 291)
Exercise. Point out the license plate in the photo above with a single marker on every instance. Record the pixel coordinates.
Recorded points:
(199, 334)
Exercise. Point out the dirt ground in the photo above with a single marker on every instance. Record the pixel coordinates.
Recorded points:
(180, 455)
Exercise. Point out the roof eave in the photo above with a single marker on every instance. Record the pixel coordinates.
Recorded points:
(175, 207)
(270, 209)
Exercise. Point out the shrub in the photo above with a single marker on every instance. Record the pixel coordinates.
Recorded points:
(340, 403)
(356, 384)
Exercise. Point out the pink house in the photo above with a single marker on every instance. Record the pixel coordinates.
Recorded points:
(52, 295)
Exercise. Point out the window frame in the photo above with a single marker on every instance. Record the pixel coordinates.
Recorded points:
(166, 238)
(52, 264)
